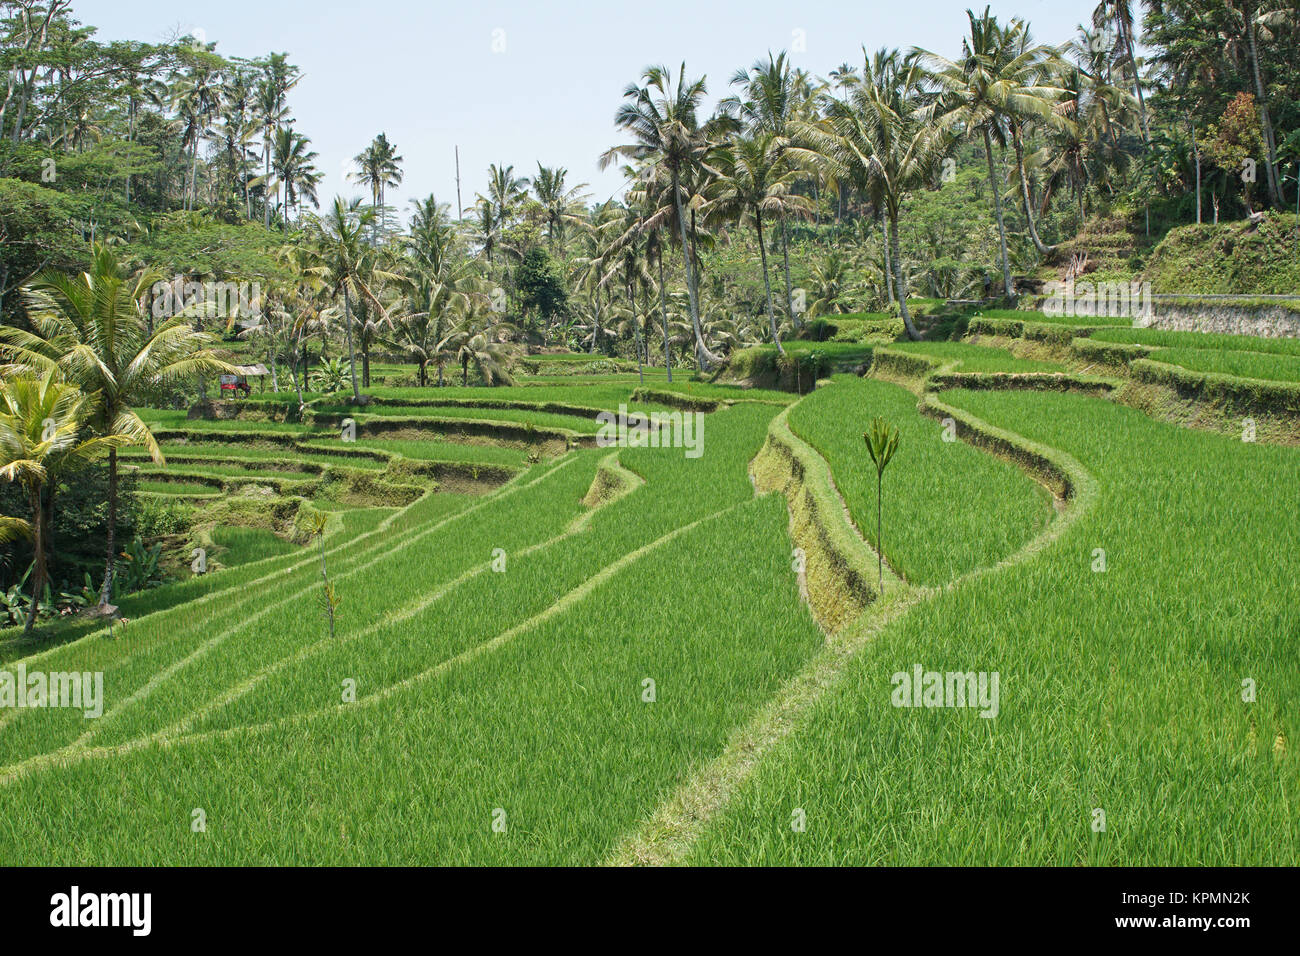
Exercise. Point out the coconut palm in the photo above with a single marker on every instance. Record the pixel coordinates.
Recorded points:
(661, 115)
(506, 192)
(42, 424)
(345, 264)
(773, 96)
(196, 96)
(624, 261)
(278, 78)
(880, 138)
(598, 239)
(481, 341)
(560, 206)
(754, 181)
(997, 80)
(1121, 13)
(832, 286)
(90, 331)
(295, 168)
(378, 168)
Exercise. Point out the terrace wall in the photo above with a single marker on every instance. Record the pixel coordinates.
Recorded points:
(1255, 317)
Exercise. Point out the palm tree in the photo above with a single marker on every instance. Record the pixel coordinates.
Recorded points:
(90, 331)
(559, 205)
(138, 84)
(1249, 20)
(41, 425)
(480, 340)
(661, 116)
(1045, 82)
(428, 334)
(996, 81)
(345, 265)
(754, 180)
(377, 167)
(237, 130)
(773, 97)
(832, 286)
(1121, 12)
(505, 192)
(197, 97)
(598, 240)
(295, 168)
(278, 78)
(624, 260)
(882, 139)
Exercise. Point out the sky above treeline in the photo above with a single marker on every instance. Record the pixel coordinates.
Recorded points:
(516, 83)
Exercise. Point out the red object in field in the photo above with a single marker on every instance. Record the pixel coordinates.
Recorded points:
(239, 382)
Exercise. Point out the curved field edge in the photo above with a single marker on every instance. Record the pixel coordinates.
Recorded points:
(820, 524)
(1107, 704)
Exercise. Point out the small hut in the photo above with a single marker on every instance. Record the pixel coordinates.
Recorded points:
(236, 383)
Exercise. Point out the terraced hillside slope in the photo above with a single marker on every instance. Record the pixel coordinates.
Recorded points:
(629, 655)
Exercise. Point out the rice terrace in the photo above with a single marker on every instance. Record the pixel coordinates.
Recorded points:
(899, 468)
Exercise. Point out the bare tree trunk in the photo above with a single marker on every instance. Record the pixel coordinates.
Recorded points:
(889, 268)
(266, 185)
(767, 282)
(702, 350)
(1274, 192)
(38, 566)
(352, 356)
(106, 591)
(997, 206)
(1043, 250)
(663, 312)
(789, 292)
(636, 330)
(1196, 152)
(1137, 82)
(912, 333)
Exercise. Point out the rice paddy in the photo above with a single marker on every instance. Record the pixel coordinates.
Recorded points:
(556, 666)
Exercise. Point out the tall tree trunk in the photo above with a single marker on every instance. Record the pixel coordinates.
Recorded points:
(266, 185)
(889, 267)
(352, 356)
(1274, 192)
(789, 292)
(1196, 153)
(1137, 81)
(130, 138)
(106, 591)
(701, 350)
(636, 331)
(663, 313)
(1043, 250)
(997, 206)
(38, 565)
(299, 380)
(767, 282)
(194, 174)
(912, 333)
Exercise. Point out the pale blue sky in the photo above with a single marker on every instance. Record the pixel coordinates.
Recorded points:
(427, 75)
